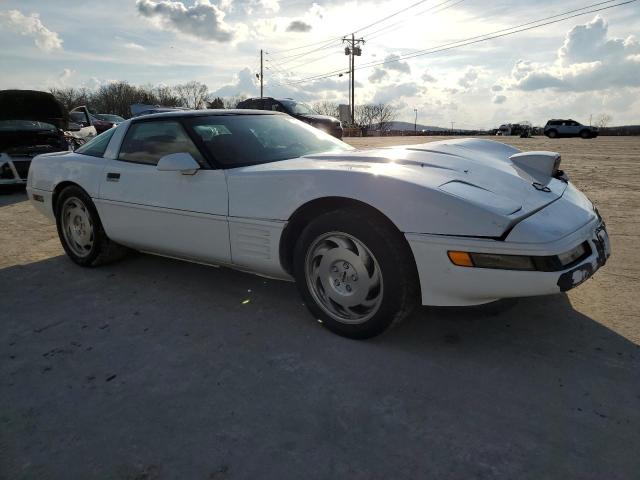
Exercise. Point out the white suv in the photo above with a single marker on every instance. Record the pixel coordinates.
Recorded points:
(569, 128)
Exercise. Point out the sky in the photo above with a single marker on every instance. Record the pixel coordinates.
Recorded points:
(578, 68)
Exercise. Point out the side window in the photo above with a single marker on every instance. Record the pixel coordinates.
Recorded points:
(148, 142)
(97, 145)
(79, 117)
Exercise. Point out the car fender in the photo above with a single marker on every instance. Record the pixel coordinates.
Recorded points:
(276, 194)
(49, 170)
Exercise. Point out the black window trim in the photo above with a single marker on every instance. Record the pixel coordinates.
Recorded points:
(180, 120)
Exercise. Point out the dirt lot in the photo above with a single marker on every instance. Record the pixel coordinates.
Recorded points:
(153, 368)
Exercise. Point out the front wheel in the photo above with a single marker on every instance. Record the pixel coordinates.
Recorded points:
(552, 134)
(585, 134)
(355, 273)
(81, 232)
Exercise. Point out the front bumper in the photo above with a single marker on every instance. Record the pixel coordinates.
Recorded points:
(446, 284)
(14, 170)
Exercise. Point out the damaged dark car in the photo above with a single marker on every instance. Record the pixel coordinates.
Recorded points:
(31, 123)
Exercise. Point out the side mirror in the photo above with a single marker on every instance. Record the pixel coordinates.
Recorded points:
(181, 162)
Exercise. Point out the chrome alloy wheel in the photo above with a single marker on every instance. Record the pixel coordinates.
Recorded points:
(344, 277)
(77, 226)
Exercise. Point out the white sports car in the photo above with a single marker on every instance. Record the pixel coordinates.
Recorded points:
(366, 234)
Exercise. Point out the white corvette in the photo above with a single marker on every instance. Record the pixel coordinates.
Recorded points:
(365, 234)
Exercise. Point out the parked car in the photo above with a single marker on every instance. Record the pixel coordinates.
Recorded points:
(297, 110)
(508, 129)
(109, 117)
(31, 123)
(140, 109)
(569, 128)
(88, 128)
(366, 235)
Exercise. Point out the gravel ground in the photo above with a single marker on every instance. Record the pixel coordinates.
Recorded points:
(158, 369)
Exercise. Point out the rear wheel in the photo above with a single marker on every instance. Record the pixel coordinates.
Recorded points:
(81, 232)
(355, 273)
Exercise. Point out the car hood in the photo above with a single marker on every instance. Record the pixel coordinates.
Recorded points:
(32, 105)
(478, 171)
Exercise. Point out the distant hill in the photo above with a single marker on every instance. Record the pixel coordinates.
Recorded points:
(419, 127)
(622, 130)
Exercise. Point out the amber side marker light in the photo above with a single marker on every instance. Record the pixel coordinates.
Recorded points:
(462, 259)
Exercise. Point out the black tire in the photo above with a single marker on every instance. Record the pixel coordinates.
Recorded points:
(102, 249)
(585, 134)
(400, 286)
(552, 133)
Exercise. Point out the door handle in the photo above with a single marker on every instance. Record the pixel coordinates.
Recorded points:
(113, 177)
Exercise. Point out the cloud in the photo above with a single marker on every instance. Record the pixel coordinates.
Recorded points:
(64, 77)
(588, 60)
(396, 64)
(133, 46)
(499, 99)
(378, 75)
(298, 26)
(469, 78)
(249, 6)
(392, 93)
(202, 20)
(426, 77)
(589, 43)
(244, 84)
(497, 88)
(31, 26)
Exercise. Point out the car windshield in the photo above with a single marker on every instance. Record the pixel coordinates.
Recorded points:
(25, 126)
(238, 140)
(297, 108)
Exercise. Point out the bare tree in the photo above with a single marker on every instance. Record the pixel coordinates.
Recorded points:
(232, 102)
(167, 97)
(216, 102)
(72, 97)
(118, 97)
(193, 94)
(603, 120)
(365, 117)
(326, 108)
(385, 115)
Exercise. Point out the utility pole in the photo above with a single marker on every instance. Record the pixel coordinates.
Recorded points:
(415, 122)
(261, 76)
(452, 127)
(353, 50)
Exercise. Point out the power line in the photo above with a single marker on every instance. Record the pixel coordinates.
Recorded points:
(391, 16)
(480, 38)
(307, 62)
(331, 41)
(389, 28)
(291, 58)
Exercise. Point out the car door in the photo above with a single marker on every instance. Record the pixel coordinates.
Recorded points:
(573, 127)
(165, 212)
(80, 116)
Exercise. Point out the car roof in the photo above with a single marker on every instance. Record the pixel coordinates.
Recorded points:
(270, 98)
(204, 113)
